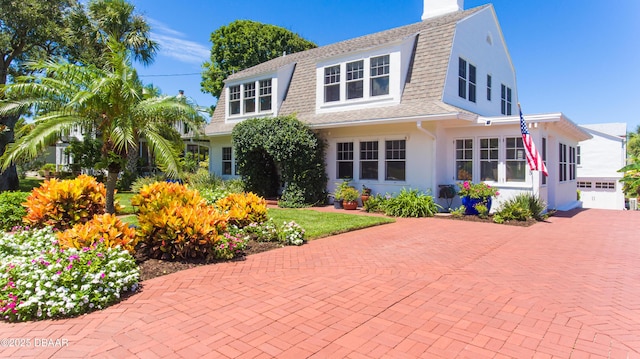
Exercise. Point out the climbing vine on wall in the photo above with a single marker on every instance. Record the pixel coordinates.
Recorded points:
(281, 150)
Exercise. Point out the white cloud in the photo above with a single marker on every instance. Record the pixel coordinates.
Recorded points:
(173, 44)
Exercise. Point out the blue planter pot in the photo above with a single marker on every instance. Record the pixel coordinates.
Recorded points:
(469, 204)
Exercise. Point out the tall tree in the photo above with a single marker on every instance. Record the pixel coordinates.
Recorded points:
(633, 143)
(29, 29)
(110, 99)
(103, 20)
(245, 43)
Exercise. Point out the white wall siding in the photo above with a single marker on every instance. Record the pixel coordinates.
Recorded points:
(478, 40)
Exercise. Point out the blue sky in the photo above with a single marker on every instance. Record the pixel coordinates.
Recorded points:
(578, 57)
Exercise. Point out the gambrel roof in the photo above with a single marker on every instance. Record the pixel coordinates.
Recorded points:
(422, 91)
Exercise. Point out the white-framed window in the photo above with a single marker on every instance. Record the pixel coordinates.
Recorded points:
(355, 79)
(332, 83)
(489, 155)
(572, 163)
(379, 75)
(250, 98)
(464, 159)
(605, 185)
(584, 184)
(226, 161)
(562, 162)
(466, 80)
(369, 160)
(488, 87)
(578, 156)
(516, 161)
(265, 95)
(505, 100)
(234, 100)
(344, 159)
(544, 157)
(395, 160)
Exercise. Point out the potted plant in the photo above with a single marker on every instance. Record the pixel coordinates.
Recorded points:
(350, 198)
(473, 194)
(47, 169)
(365, 194)
(337, 194)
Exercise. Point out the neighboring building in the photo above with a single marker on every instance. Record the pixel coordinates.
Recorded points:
(427, 104)
(599, 160)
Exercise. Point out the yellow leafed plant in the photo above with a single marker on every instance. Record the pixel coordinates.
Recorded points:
(62, 204)
(244, 208)
(105, 227)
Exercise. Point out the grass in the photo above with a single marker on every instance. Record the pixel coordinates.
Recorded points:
(29, 183)
(315, 223)
(124, 198)
(323, 224)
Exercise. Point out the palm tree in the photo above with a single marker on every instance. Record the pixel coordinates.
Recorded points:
(110, 100)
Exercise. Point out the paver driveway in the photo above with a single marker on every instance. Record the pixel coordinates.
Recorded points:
(431, 288)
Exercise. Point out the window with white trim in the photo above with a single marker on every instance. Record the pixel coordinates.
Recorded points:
(572, 163)
(265, 95)
(355, 82)
(395, 160)
(249, 97)
(605, 185)
(583, 184)
(344, 160)
(369, 160)
(234, 100)
(488, 87)
(578, 157)
(516, 162)
(332, 83)
(464, 159)
(562, 162)
(226, 161)
(544, 157)
(379, 75)
(466, 80)
(489, 159)
(505, 100)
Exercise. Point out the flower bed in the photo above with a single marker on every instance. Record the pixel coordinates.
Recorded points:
(40, 280)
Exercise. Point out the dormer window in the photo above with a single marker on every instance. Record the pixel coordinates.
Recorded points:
(355, 75)
(380, 75)
(265, 95)
(234, 100)
(332, 83)
(251, 98)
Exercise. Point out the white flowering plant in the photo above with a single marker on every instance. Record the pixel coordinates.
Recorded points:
(291, 234)
(40, 280)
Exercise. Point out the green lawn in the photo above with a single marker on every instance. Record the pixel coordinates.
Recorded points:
(124, 198)
(316, 224)
(323, 224)
(29, 183)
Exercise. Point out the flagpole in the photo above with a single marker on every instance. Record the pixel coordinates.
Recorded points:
(533, 185)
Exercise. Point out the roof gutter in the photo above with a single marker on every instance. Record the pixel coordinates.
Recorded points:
(382, 121)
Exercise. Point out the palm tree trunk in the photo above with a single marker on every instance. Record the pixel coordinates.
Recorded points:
(8, 178)
(112, 179)
(132, 160)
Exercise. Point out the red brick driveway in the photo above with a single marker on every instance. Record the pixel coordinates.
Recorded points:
(431, 288)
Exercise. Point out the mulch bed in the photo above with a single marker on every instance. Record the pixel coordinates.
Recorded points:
(151, 268)
(471, 218)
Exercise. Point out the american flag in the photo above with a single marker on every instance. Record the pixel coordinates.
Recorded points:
(533, 157)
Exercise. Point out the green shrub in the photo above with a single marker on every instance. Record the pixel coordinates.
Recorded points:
(62, 204)
(521, 208)
(410, 203)
(12, 209)
(203, 179)
(376, 203)
(140, 182)
(292, 197)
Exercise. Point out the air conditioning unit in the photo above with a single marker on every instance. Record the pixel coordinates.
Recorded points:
(633, 204)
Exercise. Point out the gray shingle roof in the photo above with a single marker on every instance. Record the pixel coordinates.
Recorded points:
(422, 92)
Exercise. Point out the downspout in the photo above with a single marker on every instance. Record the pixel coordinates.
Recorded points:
(433, 157)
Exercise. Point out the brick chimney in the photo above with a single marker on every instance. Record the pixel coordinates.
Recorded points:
(433, 8)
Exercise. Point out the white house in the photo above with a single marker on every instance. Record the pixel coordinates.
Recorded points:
(428, 104)
(599, 160)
